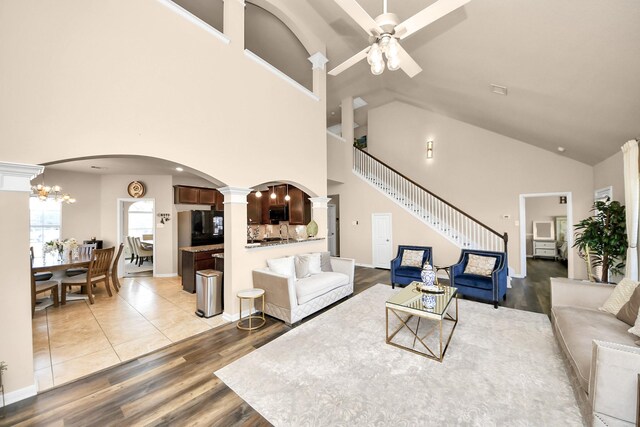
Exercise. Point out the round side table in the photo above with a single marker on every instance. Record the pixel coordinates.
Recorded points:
(251, 295)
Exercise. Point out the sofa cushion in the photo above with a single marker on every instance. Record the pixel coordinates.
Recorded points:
(318, 284)
(577, 327)
(619, 297)
(629, 312)
(325, 258)
(411, 258)
(284, 266)
(480, 265)
(302, 266)
(473, 281)
(635, 329)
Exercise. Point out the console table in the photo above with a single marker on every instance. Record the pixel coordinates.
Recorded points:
(545, 249)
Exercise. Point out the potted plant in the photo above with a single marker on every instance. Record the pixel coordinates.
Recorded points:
(601, 239)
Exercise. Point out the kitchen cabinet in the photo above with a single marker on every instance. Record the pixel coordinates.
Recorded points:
(193, 261)
(186, 195)
(254, 209)
(299, 207)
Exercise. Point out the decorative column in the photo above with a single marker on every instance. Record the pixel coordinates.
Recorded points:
(15, 289)
(233, 22)
(235, 240)
(318, 60)
(632, 205)
(319, 214)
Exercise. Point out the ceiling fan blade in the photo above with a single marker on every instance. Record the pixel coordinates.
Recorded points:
(407, 63)
(362, 18)
(350, 62)
(426, 16)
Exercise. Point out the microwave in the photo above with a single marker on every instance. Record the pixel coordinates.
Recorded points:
(278, 213)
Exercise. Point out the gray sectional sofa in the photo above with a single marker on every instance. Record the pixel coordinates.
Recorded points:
(604, 359)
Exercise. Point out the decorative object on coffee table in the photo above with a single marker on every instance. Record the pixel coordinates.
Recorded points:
(312, 228)
(427, 275)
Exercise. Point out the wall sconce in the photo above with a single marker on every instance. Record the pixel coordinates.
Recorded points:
(429, 149)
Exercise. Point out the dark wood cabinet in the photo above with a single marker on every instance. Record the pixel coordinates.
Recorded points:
(254, 209)
(296, 206)
(186, 195)
(194, 261)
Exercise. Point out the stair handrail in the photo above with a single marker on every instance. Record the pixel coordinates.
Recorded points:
(503, 236)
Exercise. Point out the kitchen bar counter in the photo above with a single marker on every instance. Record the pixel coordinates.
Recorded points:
(263, 244)
(205, 248)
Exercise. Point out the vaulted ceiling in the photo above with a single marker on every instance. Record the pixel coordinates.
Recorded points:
(572, 68)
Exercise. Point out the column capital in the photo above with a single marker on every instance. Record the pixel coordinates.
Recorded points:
(319, 202)
(18, 176)
(241, 2)
(235, 194)
(318, 60)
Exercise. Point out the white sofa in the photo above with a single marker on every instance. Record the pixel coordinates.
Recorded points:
(604, 359)
(292, 300)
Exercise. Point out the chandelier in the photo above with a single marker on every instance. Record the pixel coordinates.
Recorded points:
(45, 192)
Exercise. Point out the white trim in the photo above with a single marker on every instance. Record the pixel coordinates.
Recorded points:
(523, 230)
(18, 176)
(234, 195)
(235, 317)
(120, 219)
(20, 394)
(195, 20)
(359, 264)
(280, 74)
(336, 136)
(166, 275)
(319, 202)
(318, 60)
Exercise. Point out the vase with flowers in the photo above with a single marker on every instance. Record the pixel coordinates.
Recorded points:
(61, 247)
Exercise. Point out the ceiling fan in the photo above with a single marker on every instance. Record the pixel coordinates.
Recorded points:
(385, 31)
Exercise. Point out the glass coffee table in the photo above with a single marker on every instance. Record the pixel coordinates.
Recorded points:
(431, 309)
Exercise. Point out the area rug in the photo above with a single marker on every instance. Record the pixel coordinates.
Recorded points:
(503, 367)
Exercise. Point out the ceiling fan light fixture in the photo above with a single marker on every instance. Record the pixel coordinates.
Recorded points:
(375, 54)
(393, 63)
(377, 68)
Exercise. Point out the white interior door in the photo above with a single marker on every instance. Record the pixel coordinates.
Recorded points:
(331, 225)
(381, 239)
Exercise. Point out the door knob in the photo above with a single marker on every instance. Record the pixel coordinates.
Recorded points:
(387, 240)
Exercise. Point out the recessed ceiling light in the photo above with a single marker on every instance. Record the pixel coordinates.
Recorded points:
(500, 90)
(561, 149)
(179, 169)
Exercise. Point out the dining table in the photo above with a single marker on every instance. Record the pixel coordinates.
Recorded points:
(55, 263)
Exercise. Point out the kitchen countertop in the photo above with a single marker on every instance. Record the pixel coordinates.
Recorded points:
(280, 242)
(204, 248)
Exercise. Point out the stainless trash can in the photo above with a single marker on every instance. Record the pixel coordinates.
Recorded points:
(208, 293)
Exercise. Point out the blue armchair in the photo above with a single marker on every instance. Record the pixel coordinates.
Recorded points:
(489, 288)
(403, 275)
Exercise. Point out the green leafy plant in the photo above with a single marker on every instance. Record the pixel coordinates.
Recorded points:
(601, 239)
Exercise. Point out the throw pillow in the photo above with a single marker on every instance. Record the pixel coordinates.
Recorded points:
(302, 266)
(635, 330)
(315, 263)
(629, 312)
(284, 266)
(412, 258)
(325, 260)
(480, 265)
(619, 297)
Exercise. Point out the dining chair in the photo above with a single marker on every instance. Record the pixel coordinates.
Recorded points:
(97, 272)
(42, 275)
(114, 268)
(143, 251)
(40, 286)
(85, 249)
(132, 249)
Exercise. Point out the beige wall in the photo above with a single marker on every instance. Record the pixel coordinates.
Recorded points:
(479, 171)
(610, 172)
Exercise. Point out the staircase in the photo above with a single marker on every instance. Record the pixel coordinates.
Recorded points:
(457, 226)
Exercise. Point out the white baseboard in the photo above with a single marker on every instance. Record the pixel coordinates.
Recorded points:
(364, 265)
(166, 275)
(23, 393)
(235, 317)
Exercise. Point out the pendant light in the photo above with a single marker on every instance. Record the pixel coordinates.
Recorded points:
(287, 197)
(273, 193)
(258, 194)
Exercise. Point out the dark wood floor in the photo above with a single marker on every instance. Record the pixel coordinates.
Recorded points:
(176, 385)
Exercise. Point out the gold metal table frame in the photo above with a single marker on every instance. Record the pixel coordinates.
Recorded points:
(420, 314)
(251, 295)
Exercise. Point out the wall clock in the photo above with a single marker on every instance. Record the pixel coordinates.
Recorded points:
(136, 189)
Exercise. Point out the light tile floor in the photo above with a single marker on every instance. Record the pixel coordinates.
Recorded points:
(77, 339)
